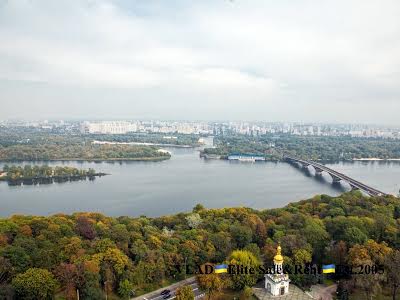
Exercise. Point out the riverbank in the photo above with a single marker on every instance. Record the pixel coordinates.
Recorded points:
(80, 152)
(143, 144)
(28, 175)
(49, 179)
(376, 159)
(158, 158)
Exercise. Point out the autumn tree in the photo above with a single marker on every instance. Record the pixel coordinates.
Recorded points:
(211, 283)
(6, 270)
(85, 228)
(184, 293)
(35, 284)
(392, 267)
(371, 253)
(68, 276)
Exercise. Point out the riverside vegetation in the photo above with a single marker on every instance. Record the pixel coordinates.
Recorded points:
(15, 175)
(32, 144)
(43, 257)
(87, 152)
(329, 149)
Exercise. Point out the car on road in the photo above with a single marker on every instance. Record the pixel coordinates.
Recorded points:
(165, 292)
(166, 296)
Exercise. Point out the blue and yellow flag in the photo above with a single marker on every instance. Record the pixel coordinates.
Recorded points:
(328, 269)
(221, 269)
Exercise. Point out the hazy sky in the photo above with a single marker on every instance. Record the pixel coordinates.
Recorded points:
(333, 61)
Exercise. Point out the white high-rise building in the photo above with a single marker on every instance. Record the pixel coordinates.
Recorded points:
(112, 127)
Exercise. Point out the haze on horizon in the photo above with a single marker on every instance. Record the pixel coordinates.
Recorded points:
(209, 60)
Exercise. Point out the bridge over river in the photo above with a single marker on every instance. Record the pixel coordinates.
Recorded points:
(336, 176)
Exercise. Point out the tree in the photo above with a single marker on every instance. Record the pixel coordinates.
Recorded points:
(85, 228)
(366, 255)
(246, 293)
(245, 259)
(211, 283)
(194, 220)
(315, 233)
(125, 288)
(392, 267)
(35, 284)
(353, 235)
(69, 277)
(301, 257)
(198, 208)
(6, 270)
(338, 252)
(242, 235)
(184, 293)
(91, 287)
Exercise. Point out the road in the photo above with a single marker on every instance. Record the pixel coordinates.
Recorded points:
(156, 295)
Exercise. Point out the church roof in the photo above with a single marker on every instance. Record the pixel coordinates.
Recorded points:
(278, 258)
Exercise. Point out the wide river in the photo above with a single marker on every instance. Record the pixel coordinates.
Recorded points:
(178, 184)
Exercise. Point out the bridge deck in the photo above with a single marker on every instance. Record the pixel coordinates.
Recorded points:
(354, 183)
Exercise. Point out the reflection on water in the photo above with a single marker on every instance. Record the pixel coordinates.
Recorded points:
(178, 184)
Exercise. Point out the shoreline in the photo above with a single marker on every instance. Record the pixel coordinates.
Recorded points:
(52, 179)
(143, 144)
(158, 158)
(372, 159)
(376, 159)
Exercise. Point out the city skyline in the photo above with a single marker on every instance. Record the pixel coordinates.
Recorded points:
(201, 127)
(212, 60)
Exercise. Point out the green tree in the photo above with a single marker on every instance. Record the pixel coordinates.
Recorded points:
(125, 288)
(353, 235)
(242, 235)
(247, 260)
(35, 284)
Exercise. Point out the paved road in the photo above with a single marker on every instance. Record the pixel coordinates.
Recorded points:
(156, 295)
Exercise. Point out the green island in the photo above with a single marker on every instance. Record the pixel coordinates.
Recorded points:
(16, 175)
(100, 256)
(32, 136)
(86, 152)
(329, 149)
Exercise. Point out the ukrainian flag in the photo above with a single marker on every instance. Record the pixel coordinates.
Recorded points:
(221, 269)
(328, 269)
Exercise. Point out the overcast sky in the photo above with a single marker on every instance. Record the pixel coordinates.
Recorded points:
(324, 61)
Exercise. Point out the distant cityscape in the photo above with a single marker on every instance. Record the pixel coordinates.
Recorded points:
(209, 128)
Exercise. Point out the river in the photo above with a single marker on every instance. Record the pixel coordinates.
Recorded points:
(178, 184)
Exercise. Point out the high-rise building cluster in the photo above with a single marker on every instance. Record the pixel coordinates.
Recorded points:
(211, 128)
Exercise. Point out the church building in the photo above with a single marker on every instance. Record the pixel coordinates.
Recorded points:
(277, 284)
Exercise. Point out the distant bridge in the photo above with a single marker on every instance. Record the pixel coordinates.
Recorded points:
(336, 176)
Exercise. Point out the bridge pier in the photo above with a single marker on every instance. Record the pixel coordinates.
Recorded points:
(318, 172)
(305, 168)
(335, 179)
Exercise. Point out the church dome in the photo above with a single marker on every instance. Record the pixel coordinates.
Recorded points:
(278, 258)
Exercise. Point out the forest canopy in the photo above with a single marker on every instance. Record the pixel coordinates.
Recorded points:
(97, 254)
(332, 148)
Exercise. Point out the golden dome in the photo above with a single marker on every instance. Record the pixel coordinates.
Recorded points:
(278, 258)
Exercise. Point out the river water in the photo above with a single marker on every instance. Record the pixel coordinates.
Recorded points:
(178, 184)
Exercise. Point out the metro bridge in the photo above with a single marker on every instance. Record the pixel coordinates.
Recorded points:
(336, 176)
